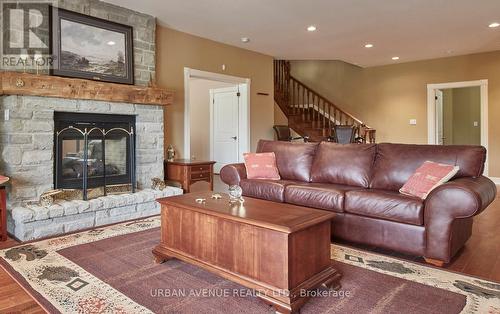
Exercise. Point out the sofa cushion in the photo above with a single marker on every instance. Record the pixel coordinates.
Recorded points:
(395, 163)
(261, 166)
(348, 164)
(317, 195)
(428, 177)
(271, 190)
(294, 160)
(383, 204)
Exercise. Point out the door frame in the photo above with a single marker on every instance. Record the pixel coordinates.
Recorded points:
(439, 141)
(244, 123)
(431, 111)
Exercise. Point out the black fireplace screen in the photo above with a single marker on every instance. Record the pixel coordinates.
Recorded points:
(94, 150)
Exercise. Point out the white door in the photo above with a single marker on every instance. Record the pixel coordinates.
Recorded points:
(439, 117)
(224, 126)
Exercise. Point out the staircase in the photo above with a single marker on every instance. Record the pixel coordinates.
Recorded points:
(309, 113)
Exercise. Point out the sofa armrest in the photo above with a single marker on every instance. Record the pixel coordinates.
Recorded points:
(457, 199)
(461, 198)
(232, 174)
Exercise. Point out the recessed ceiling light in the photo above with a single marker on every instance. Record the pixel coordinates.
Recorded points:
(245, 39)
(369, 46)
(111, 43)
(311, 28)
(395, 58)
(493, 25)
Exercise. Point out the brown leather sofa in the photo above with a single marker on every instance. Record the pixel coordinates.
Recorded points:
(360, 182)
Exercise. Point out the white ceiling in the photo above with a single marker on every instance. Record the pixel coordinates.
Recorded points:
(410, 29)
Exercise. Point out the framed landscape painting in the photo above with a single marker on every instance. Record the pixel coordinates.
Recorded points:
(91, 48)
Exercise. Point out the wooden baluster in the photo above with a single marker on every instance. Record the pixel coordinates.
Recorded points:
(309, 105)
(294, 102)
(321, 114)
(302, 103)
(316, 110)
(324, 114)
(306, 101)
(329, 118)
(296, 96)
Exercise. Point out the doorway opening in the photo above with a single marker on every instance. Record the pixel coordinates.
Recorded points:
(458, 114)
(216, 119)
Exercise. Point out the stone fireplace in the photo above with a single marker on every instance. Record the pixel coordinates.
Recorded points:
(37, 160)
(92, 137)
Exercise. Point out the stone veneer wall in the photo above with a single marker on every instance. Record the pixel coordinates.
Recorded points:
(27, 141)
(144, 35)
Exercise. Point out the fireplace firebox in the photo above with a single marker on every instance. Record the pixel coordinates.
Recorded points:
(94, 152)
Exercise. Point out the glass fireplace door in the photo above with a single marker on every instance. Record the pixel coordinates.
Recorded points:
(94, 151)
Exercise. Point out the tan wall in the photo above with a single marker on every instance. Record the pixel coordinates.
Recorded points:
(387, 97)
(279, 116)
(199, 112)
(176, 50)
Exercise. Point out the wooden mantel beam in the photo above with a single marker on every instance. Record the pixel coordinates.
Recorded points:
(17, 83)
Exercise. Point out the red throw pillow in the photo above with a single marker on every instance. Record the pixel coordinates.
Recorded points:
(427, 177)
(261, 166)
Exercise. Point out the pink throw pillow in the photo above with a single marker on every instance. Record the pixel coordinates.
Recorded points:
(427, 177)
(261, 166)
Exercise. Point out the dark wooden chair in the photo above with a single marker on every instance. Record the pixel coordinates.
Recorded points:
(283, 133)
(345, 134)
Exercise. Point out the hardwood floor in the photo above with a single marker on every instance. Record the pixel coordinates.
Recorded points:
(480, 257)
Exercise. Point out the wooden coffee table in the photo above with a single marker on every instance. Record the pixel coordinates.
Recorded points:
(279, 250)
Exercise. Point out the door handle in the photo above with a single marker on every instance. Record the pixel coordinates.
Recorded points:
(234, 137)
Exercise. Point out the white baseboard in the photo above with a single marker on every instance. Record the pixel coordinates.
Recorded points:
(496, 180)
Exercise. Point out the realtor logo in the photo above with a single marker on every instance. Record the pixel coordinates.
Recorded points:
(26, 27)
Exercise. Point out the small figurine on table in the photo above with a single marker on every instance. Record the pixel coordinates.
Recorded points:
(170, 153)
(235, 194)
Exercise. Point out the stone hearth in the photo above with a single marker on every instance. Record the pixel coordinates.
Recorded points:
(28, 223)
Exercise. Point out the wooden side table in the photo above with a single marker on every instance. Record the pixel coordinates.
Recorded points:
(187, 172)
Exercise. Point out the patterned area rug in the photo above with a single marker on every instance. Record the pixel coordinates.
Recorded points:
(111, 270)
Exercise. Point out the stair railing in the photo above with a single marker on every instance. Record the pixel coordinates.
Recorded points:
(306, 106)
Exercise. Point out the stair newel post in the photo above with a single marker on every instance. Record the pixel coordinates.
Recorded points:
(288, 87)
(279, 77)
(274, 75)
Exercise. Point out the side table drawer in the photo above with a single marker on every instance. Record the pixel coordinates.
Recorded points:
(200, 175)
(200, 168)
